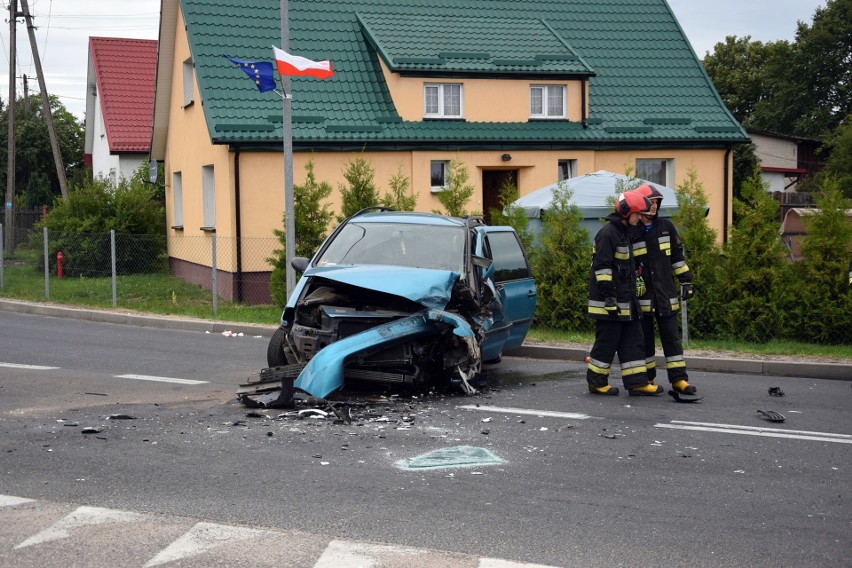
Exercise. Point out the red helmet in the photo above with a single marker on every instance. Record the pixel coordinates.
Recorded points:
(649, 191)
(631, 202)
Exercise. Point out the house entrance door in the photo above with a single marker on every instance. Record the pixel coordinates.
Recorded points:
(492, 181)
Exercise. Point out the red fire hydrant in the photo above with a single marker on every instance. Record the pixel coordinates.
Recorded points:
(59, 258)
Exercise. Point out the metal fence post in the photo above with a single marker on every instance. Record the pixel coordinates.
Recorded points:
(2, 259)
(112, 254)
(46, 267)
(214, 285)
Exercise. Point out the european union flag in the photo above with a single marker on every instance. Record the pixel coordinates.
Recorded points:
(258, 71)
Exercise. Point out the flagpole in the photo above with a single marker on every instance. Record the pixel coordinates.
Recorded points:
(287, 128)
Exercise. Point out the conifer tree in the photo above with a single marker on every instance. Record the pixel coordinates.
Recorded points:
(361, 191)
(561, 266)
(755, 268)
(703, 256)
(398, 198)
(312, 217)
(820, 307)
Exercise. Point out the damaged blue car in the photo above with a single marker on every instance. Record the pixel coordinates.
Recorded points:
(401, 298)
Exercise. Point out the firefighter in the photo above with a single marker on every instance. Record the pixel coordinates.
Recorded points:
(660, 260)
(614, 305)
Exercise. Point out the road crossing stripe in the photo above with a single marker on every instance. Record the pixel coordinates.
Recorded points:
(203, 537)
(11, 501)
(83, 516)
(161, 379)
(526, 411)
(30, 367)
(757, 431)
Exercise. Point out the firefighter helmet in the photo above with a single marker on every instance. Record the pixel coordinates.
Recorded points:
(631, 202)
(649, 191)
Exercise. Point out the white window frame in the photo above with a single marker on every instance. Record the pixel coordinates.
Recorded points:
(188, 82)
(546, 93)
(439, 90)
(664, 170)
(177, 199)
(446, 166)
(208, 197)
(566, 169)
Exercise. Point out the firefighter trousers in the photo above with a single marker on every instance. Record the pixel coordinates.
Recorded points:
(672, 347)
(624, 338)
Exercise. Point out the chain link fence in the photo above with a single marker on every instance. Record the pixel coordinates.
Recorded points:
(118, 269)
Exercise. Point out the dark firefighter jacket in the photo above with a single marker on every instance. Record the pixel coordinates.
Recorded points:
(613, 273)
(659, 257)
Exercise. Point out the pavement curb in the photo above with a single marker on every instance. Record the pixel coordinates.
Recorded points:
(808, 369)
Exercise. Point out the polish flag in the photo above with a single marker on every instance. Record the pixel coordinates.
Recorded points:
(295, 65)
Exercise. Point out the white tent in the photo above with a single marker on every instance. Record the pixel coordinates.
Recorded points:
(589, 194)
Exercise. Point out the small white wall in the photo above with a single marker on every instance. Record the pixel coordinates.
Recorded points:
(104, 163)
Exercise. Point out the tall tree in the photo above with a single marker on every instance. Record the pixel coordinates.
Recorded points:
(33, 152)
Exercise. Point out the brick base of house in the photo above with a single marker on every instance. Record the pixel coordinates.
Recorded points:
(247, 287)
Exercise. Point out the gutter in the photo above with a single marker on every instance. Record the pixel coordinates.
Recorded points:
(726, 202)
(238, 224)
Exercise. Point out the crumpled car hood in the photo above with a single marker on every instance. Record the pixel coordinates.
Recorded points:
(430, 288)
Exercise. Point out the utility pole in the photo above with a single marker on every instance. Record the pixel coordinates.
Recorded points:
(287, 131)
(45, 101)
(10, 163)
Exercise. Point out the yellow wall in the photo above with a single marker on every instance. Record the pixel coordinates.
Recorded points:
(485, 100)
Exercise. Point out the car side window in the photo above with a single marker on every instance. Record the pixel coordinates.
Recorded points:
(510, 263)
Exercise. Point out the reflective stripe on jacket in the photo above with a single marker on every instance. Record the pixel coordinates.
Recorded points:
(659, 254)
(613, 273)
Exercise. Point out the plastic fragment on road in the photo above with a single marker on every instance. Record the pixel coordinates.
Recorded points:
(775, 391)
(772, 416)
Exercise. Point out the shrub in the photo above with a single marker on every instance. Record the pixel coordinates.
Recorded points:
(703, 256)
(79, 227)
(820, 308)
(361, 191)
(755, 281)
(398, 199)
(561, 266)
(312, 217)
(457, 192)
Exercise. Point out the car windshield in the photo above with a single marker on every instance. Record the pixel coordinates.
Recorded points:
(397, 244)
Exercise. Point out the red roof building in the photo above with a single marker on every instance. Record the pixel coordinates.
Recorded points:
(119, 104)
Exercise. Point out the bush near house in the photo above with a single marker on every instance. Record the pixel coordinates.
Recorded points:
(79, 226)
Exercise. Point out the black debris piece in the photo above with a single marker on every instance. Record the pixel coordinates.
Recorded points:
(681, 397)
(775, 391)
(772, 416)
(120, 417)
(90, 430)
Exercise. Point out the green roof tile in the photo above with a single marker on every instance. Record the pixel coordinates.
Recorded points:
(645, 85)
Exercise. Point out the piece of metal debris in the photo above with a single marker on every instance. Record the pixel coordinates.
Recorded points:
(679, 397)
(313, 413)
(775, 391)
(120, 417)
(772, 416)
(90, 430)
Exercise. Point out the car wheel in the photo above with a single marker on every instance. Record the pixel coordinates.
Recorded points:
(275, 356)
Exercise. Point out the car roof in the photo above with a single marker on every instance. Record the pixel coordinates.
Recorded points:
(409, 218)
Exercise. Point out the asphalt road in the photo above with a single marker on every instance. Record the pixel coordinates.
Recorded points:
(173, 460)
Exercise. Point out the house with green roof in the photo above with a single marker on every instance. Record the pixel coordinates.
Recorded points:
(529, 92)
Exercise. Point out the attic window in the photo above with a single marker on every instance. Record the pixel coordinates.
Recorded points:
(547, 101)
(442, 100)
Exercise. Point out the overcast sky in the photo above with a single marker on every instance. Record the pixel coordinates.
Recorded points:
(64, 26)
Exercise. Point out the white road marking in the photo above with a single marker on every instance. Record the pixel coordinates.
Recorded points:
(161, 379)
(348, 554)
(83, 516)
(11, 501)
(526, 411)
(498, 563)
(758, 431)
(203, 537)
(30, 367)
